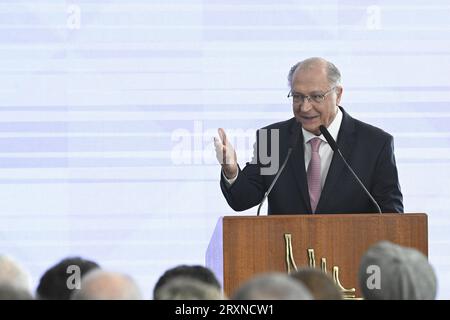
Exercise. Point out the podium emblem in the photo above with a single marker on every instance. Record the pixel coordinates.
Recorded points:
(291, 266)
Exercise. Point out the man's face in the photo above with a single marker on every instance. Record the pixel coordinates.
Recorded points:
(312, 81)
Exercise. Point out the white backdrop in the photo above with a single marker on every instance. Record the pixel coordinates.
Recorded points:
(108, 109)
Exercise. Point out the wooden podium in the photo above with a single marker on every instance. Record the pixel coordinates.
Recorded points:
(242, 247)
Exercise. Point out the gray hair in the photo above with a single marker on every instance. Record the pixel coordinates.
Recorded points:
(184, 288)
(333, 73)
(12, 273)
(273, 286)
(392, 272)
(103, 285)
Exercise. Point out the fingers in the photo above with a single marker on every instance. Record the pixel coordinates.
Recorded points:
(225, 153)
(222, 136)
(218, 145)
(220, 151)
(223, 147)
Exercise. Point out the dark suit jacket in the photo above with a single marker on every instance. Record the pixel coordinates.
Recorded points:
(368, 150)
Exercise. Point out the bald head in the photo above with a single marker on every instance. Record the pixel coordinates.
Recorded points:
(311, 63)
(319, 66)
(321, 286)
(104, 285)
(12, 273)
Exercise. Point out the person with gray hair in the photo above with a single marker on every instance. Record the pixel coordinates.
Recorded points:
(185, 288)
(196, 272)
(392, 272)
(333, 73)
(104, 285)
(13, 274)
(316, 180)
(272, 286)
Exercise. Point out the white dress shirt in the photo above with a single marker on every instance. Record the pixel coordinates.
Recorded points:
(325, 151)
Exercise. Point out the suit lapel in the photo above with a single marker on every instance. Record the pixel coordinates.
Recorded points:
(298, 167)
(345, 141)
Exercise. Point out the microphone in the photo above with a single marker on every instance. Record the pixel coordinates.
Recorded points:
(335, 148)
(292, 144)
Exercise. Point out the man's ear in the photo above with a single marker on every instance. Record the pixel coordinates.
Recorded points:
(339, 91)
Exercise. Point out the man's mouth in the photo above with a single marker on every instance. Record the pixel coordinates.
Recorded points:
(308, 118)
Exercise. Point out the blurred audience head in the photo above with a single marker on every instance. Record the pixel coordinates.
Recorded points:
(13, 274)
(53, 285)
(184, 288)
(321, 286)
(104, 285)
(272, 286)
(392, 272)
(9, 292)
(195, 272)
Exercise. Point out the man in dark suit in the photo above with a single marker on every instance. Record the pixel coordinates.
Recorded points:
(315, 179)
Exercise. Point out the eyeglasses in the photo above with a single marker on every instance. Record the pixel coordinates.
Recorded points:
(299, 98)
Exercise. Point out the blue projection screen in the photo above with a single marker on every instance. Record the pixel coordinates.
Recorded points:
(108, 111)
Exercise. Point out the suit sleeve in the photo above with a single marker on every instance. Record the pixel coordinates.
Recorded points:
(386, 186)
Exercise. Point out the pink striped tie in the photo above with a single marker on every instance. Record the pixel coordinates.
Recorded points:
(313, 173)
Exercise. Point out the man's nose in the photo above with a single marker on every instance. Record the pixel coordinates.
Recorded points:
(306, 106)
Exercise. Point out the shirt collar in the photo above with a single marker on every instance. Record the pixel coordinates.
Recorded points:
(333, 129)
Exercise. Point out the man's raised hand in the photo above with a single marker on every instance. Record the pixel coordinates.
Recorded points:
(226, 155)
